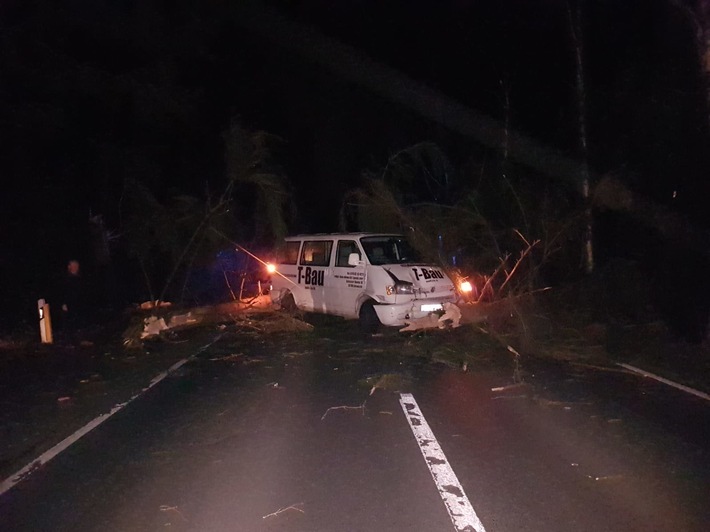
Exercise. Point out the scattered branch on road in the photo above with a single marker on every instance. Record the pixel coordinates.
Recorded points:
(244, 322)
(273, 323)
(517, 371)
(361, 407)
(509, 387)
(173, 510)
(393, 382)
(285, 509)
(450, 318)
(565, 404)
(607, 477)
(228, 358)
(430, 321)
(510, 397)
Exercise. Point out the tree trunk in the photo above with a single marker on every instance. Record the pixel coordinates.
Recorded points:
(697, 14)
(575, 23)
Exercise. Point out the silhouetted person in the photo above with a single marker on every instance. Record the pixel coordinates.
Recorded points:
(72, 298)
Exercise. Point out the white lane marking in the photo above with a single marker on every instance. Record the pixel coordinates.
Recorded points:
(462, 514)
(687, 389)
(45, 457)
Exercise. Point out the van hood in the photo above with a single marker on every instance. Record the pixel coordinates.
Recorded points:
(428, 280)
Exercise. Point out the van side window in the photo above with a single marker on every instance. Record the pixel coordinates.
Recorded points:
(345, 248)
(316, 252)
(289, 253)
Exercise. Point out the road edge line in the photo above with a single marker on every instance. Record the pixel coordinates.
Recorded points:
(460, 510)
(14, 479)
(677, 385)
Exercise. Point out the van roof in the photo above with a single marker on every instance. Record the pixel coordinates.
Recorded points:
(338, 235)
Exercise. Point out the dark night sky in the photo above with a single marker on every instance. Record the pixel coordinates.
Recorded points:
(207, 65)
(642, 81)
(94, 91)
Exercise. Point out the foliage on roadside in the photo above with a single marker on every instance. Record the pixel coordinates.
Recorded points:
(168, 239)
(495, 229)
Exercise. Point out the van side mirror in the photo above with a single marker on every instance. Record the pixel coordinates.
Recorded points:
(354, 259)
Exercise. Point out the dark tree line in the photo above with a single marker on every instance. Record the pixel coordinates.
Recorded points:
(164, 121)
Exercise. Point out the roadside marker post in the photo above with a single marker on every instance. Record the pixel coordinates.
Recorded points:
(45, 322)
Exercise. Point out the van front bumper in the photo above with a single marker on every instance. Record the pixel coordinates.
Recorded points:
(397, 315)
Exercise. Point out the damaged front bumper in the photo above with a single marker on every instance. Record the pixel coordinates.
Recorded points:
(396, 315)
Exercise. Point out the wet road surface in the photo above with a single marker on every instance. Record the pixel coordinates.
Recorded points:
(282, 433)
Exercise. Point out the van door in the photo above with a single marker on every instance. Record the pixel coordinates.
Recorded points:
(346, 283)
(311, 273)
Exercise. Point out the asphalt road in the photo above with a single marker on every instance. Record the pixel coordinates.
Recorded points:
(282, 433)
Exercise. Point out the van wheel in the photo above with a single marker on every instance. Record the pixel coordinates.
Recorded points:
(288, 303)
(369, 322)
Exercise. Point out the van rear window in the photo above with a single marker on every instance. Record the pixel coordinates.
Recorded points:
(316, 252)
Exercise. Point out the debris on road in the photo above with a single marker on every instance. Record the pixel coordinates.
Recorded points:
(510, 397)
(450, 318)
(153, 326)
(451, 314)
(285, 509)
(234, 357)
(173, 510)
(431, 321)
(607, 477)
(273, 323)
(148, 305)
(565, 404)
(391, 382)
(361, 408)
(509, 387)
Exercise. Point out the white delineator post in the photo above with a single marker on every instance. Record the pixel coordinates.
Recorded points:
(45, 321)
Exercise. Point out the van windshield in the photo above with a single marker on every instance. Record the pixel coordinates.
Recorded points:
(389, 250)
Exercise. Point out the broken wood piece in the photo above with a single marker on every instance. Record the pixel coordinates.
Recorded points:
(431, 321)
(228, 358)
(153, 326)
(452, 313)
(450, 318)
(607, 477)
(508, 387)
(361, 407)
(285, 509)
(173, 510)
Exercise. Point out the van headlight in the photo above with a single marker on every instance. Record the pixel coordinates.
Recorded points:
(401, 288)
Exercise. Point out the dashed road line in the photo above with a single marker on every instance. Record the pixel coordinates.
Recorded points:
(462, 514)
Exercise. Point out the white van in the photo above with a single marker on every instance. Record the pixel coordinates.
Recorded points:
(375, 277)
